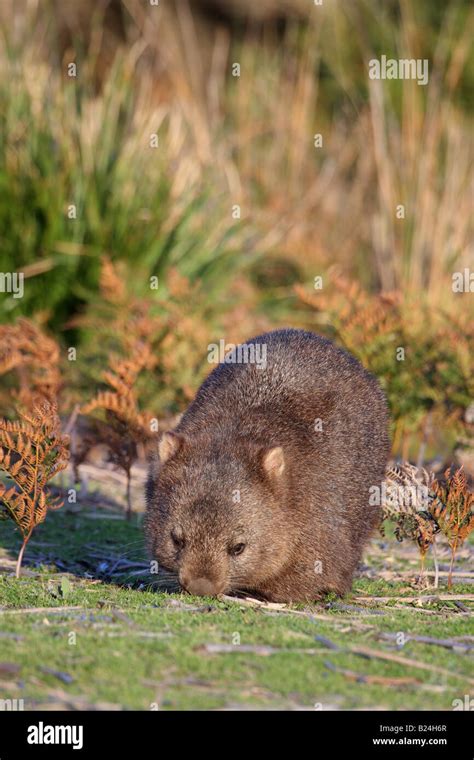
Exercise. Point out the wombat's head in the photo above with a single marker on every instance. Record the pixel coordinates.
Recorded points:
(215, 513)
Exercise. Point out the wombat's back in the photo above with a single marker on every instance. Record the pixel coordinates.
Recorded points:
(302, 378)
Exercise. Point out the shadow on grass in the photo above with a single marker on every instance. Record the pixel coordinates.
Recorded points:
(87, 543)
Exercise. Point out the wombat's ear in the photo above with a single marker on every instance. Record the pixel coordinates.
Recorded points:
(170, 444)
(274, 462)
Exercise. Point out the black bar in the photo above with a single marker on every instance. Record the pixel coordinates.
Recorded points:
(313, 733)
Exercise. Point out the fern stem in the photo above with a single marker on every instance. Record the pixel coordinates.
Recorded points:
(422, 568)
(436, 564)
(20, 555)
(129, 497)
(453, 554)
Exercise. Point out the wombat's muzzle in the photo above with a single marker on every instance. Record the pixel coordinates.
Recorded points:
(201, 586)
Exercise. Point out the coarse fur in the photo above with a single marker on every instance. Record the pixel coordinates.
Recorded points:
(264, 484)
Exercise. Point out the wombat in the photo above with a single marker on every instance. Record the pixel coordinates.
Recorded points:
(264, 484)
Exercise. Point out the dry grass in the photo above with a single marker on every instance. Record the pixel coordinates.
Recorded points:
(385, 144)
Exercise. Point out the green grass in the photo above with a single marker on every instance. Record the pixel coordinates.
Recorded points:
(81, 151)
(136, 647)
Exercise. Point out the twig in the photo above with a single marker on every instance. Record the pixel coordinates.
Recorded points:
(436, 564)
(259, 649)
(352, 608)
(37, 610)
(411, 599)
(72, 419)
(366, 678)
(465, 646)
(381, 655)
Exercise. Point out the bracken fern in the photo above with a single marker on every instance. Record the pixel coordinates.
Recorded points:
(32, 452)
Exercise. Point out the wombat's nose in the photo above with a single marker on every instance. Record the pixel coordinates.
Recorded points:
(201, 586)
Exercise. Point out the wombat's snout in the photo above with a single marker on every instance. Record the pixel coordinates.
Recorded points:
(201, 586)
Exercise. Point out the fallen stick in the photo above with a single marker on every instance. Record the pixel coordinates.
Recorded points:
(367, 652)
(465, 645)
(381, 655)
(422, 610)
(282, 609)
(36, 610)
(430, 598)
(352, 675)
(409, 573)
(339, 606)
(260, 649)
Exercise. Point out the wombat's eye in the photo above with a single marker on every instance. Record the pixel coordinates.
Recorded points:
(236, 550)
(177, 539)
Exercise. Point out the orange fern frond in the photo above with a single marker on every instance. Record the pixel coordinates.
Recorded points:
(32, 451)
(34, 356)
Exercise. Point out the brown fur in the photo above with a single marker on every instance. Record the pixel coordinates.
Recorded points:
(247, 466)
